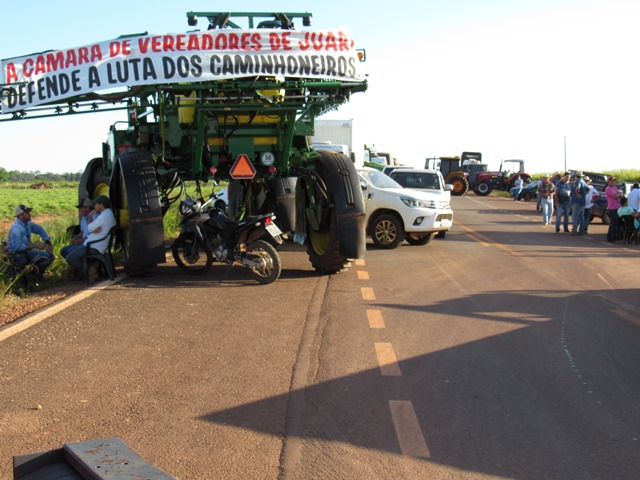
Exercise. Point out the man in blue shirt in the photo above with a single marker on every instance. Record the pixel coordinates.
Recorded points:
(85, 208)
(578, 202)
(103, 221)
(563, 201)
(40, 254)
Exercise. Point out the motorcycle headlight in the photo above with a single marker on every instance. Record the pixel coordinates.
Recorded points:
(186, 207)
(415, 203)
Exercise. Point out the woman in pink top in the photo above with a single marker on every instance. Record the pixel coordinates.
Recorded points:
(613, 195)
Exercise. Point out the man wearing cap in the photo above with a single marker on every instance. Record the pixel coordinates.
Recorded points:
(563, 202)
(578, 202)
(633, 199)
(84, 208)
(545, 192)
(40, 254)
(98, 229)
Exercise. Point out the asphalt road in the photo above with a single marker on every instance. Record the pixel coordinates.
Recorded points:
(504, 350)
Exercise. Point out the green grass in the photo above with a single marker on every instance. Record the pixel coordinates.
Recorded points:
(55, 209)
(46, 202)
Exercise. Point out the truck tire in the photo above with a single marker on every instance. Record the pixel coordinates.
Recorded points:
(483, 189)
(93, 182)
(460, 185)
(336, 233)
(528, 196)
(136, 203)
(387, 231)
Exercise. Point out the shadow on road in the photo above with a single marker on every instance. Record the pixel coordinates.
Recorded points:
(556, 397)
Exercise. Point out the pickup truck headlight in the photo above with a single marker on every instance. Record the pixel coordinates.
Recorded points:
(415, 203)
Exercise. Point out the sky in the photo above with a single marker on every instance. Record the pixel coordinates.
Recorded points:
(552, 82)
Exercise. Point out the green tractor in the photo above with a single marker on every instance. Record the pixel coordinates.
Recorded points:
(229, 103)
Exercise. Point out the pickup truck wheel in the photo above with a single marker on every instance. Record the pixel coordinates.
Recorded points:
(605, 217)
(441, 234)
(387, 231)
(528, 196)
(483, 189)
(419, 238)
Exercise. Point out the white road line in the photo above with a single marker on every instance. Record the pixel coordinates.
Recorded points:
(387, 360)
(375, 319)
(37, 317)
(405, 420)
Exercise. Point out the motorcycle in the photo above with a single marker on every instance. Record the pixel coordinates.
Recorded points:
(208, 235)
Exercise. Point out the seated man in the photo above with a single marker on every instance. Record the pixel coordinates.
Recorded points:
(99, 228)
(39, 254)
(86, 215)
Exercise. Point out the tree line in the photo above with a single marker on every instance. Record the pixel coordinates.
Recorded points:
(11, 176)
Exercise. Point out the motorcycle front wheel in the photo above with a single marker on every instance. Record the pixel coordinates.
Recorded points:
(191, 254)
(270, 266)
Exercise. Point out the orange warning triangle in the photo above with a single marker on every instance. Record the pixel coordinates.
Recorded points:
(242, 168)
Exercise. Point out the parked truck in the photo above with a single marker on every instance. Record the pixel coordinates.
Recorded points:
(334, 135)
(228, 103)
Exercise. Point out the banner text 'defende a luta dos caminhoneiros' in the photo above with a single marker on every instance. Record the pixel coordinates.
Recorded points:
(176, 58)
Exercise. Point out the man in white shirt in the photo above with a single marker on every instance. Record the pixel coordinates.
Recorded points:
(633, 200)
(103, 221)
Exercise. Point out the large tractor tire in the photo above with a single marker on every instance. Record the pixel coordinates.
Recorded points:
(483, 189)
(460, 185)
(93, 182)
(335, 227)
(136, 202)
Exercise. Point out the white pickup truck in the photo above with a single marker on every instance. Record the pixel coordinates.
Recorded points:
(395, 213)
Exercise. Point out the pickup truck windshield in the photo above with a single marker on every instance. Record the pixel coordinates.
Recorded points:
(379, 179)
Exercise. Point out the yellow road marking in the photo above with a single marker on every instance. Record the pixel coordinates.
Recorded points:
(367, 293)
(387, 360)
(405, 420)
(627, 316)
(487, 242)
(360, 262)
(375, 319)
(363, 275)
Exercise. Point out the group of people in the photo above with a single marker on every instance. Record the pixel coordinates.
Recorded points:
(619, 205)
(96, 220)
(573, 197)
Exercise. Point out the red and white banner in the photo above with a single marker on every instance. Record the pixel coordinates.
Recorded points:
(176, 58)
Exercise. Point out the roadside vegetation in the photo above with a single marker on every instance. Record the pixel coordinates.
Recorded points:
(54, 207)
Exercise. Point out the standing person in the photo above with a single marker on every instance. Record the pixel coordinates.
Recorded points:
(613, 204)
(39, 254)
(518, 185)
(633, 199)
(578, 193)
(545, 194)
(563, 201)
(591, 192)
(85, 218)
(98, 228)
